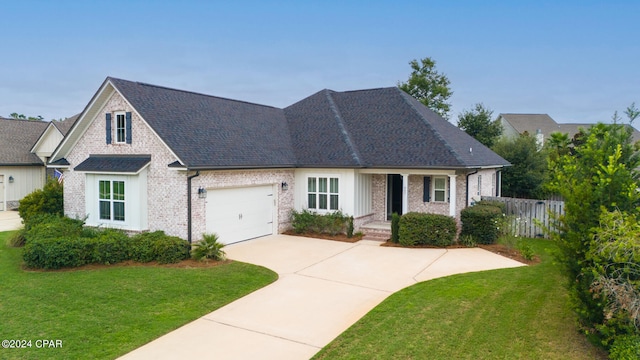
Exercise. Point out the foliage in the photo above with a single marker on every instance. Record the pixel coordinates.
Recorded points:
(426, 229)
(48, 200)
(597, 176)
(157, 246)
(499, 204)
(468, 241)
(208, 248)
(428, 86)
(526, 175)
(23, 117)
(477, 123)
(306, 221)
(17, 239)
(54, 242)
(350, 227)
(104, 313)
(481, 222)
(395, 227)
(625, 347)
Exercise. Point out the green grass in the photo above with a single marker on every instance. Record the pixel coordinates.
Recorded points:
(105, 313)
(519, 313)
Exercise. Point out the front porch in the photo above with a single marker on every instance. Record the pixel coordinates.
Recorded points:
(376, 230)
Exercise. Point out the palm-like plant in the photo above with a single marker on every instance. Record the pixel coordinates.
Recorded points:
(209, 248)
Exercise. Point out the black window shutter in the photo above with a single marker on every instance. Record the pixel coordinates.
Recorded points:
(426, 191)
(108, 128)
(128, 127)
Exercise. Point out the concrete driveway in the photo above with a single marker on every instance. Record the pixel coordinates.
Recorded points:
(10, 220)
(324, 287)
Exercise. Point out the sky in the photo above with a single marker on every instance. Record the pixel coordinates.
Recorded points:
(578, 61)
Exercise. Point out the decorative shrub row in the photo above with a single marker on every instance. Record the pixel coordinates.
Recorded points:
(481, 222)
(426, 229)
(306, 221)
(57, 242)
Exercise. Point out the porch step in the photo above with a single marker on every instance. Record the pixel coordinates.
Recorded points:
(376, 231)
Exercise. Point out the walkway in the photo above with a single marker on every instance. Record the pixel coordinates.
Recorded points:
(324, 287)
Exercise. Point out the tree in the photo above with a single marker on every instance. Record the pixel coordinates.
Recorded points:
(477, 123)
(428, 86)
(525, 177)
(22, 117)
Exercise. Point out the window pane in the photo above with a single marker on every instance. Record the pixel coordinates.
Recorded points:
(312, 201)
(105, 210)
(333, 199)
(105, 190)
(323, 202)
(440, 183)
(118, 190)
(118, 211)
(333, 185)
(120, 128)
(439, 195)
(322, 185)
(311, 185)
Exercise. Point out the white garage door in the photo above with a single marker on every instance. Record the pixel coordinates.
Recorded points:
(240, 213)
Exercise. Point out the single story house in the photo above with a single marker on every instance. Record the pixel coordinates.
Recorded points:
(143, 157)
(21, 171)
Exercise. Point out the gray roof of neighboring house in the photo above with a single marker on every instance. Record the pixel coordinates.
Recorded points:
(366, 128)
(65, 125)
(17, 137)
(531, 123)
(573, 129)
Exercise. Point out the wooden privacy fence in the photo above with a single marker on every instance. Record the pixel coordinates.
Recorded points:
(530, 218)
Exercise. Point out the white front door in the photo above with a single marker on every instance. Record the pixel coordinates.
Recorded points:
(240, 213)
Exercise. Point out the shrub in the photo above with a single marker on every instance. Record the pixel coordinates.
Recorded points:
(525, 250)
(426, 229)
(496, 203)
(48, 200)
(111, 246)
(17, 239)
(157, 246)
(56, 253)
(467, 240)
(47, 226)
(625, 348)
(332, 223)
(395, 227)
(481, 222)
(208, 248)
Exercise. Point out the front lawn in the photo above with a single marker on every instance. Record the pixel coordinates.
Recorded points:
(107, 312)
(519, 313)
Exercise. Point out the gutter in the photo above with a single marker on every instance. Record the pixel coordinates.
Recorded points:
(189, 204)
(467, 188)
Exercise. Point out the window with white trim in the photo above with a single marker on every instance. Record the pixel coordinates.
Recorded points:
(440, 189)
(111, 200)
(323, 193)
(120, 127)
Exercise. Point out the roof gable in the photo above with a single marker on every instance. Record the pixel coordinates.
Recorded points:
(531, 123)
(17, 138)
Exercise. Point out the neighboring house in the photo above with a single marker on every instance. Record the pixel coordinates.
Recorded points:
(143, 158)
(21, 171)
(51, 138)
(542, 126)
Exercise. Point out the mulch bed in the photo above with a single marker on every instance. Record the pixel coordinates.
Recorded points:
(338, 237)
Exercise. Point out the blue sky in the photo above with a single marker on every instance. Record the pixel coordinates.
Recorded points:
(578, 61)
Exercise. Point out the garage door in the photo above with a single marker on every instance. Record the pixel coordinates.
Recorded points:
(240, 213)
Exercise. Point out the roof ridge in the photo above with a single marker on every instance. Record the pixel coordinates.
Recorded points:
(355, 154)
(404, 96)
(192, 92)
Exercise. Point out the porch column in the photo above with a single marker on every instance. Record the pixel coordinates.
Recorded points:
(452, 195)
(405, 193)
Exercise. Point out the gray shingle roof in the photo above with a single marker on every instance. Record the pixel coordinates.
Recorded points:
(209, 131)
(114, 163)
(531, 123)
(65, 125)
(17, 137)
(366, 128)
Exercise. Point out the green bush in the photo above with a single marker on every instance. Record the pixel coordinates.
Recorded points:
(499, 204)
(41, 226)
(625, 348)
(56, 253)
(426, 229)
(208, 248)
(395, 227)
(350, 227)
(481, 222)
(17, 239)
(111, 246)
(48, 200)
(306, 221)
(157, 246)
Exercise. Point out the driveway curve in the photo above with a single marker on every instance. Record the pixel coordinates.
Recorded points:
(323, 288)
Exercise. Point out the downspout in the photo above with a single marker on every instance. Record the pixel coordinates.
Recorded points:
(467, 187)
(498, 183)
(189, 204)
